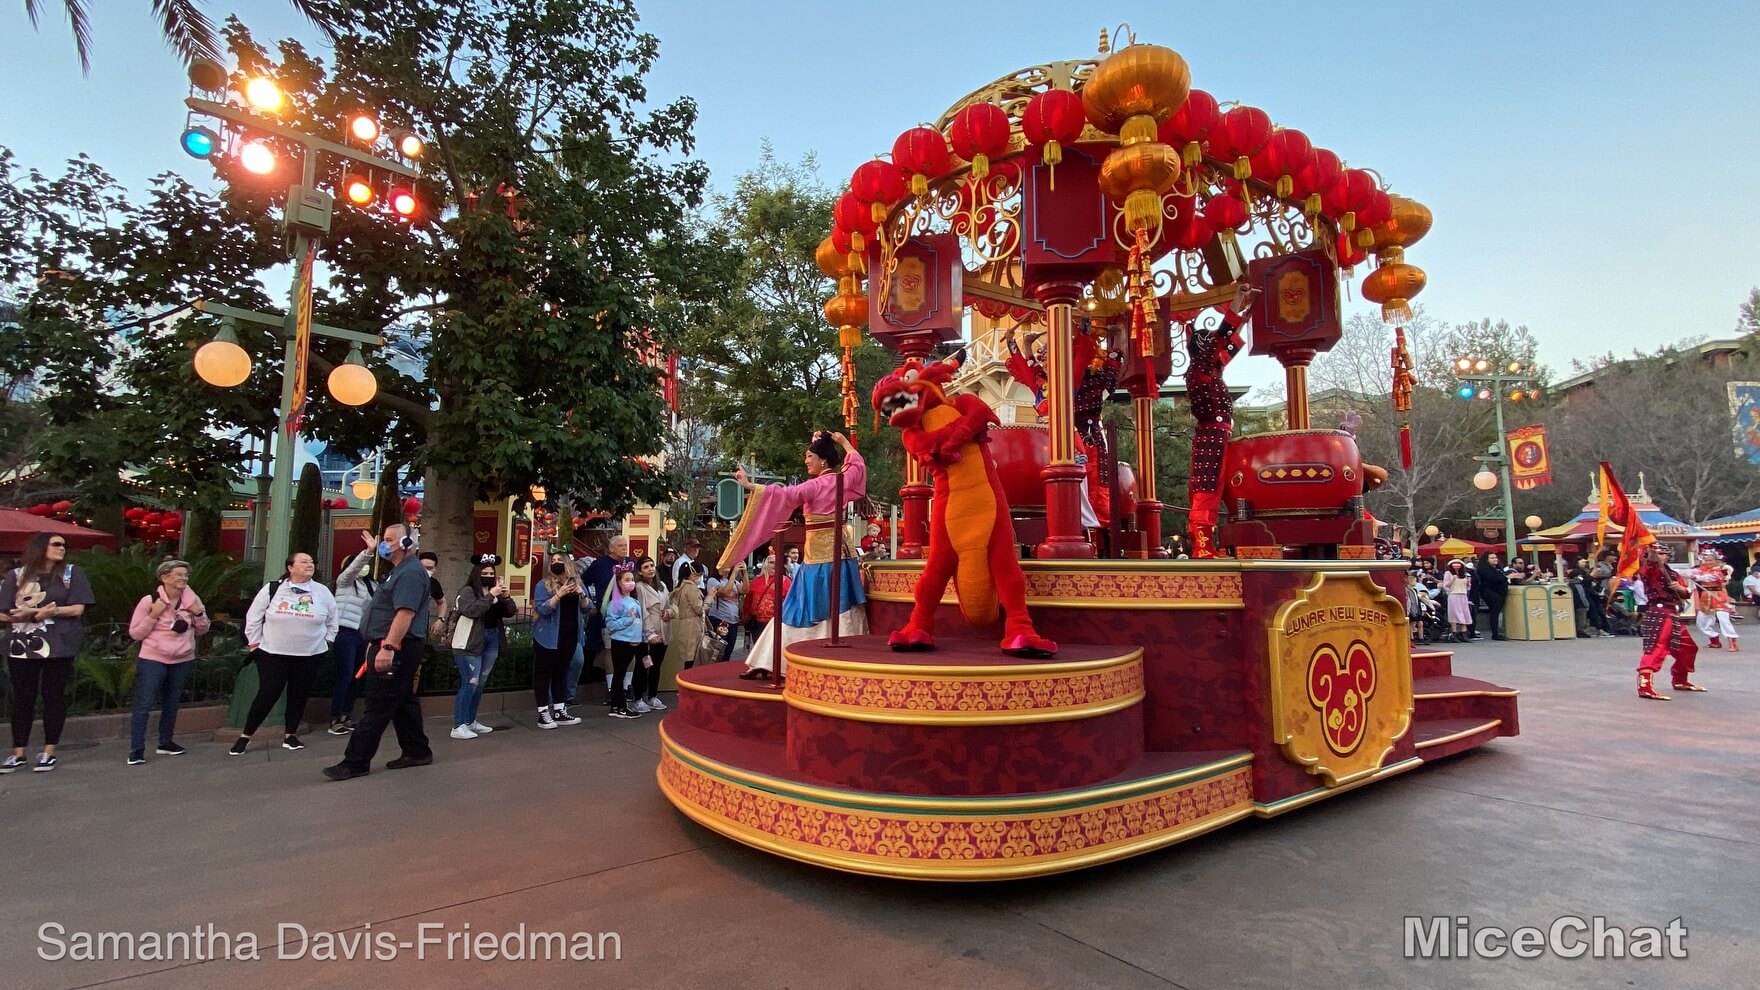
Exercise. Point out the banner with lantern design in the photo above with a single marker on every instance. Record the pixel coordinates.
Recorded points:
(1530, 462)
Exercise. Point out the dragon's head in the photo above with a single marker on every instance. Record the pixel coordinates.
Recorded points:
(904, 395)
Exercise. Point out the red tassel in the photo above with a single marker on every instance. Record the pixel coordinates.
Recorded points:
(1405, 446)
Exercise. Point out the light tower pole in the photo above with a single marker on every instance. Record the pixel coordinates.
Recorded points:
(1481, 379)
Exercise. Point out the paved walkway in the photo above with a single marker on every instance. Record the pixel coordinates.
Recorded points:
(1638, 812)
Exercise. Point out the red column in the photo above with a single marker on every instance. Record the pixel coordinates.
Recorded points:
(1063, 477)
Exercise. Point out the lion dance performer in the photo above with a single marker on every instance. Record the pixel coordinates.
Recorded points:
(806, 611)
(1710, 578)
(1664, 632)
(1213, 408)
(971, 534)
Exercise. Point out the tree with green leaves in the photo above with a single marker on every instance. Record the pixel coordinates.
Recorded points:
(1748, 314)
(308, 513)
(182, 23)
(770, 360)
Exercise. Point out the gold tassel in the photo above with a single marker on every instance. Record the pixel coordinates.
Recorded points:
(849, 336)
(1311, 205)
(1243, 169)
(1396, 310)
(980, 166)
(919, 184)
(1348, 222)
(1365, 238)
(856, 243)
(858, 262)
(1191, 154)
(1052, 156)
(1285, 187)
(877, 210)
(1137, 129)
(1142, 209)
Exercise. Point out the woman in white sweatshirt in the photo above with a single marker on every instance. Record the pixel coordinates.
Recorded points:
(289, 627)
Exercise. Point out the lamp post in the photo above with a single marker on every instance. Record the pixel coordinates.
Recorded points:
(1482, 379)
(221, 361)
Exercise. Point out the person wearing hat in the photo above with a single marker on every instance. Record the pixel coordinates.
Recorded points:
(1664, 633)
(166, 624)
(692, 547)
(1711, 599)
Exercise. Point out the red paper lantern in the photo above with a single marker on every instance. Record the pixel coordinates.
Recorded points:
(1226, 211)
(152, 519)
(1244, 132)
(1190, 125)
(853, 215)
(1051, 120)
(979, 133)
(64, 506)
(1284, 154)
(1188, 229)
(879, 184)
(412, 506)
(133, 513)
(1341, 201)
(1318, 175)
(922, 152)
(339, 502)
(1349, 255)
(1373, 210)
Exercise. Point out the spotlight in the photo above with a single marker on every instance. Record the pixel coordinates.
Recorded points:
(1481, 365)
(199, 142)
(1515, 367)
(364, 128)
(1465, 391)
(403, 202)
(1516, 396)
(257, 157)
(409, 145)
(263, 94)
(1484, 393)
(1464, 365)
(358, 190)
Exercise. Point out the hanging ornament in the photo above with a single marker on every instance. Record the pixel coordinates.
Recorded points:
(880, 184)
(979, 133)
(1243, 134)
(921, 152)
(1051, 120)
(1393, 285)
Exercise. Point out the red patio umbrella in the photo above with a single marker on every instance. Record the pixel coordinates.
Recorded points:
(17, 527)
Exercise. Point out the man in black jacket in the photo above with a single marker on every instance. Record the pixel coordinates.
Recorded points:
(1493, 587)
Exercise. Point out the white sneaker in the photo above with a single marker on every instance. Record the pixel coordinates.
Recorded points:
(562, 717)
(463, 732)
(480, 729)
(544, 719)
(655, 704)
(640, 707)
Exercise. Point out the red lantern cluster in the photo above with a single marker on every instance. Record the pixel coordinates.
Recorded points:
(922, 153)
(1190, 125)
(339, 502)
(1243, 133)
(1283, 156)
(147, 526)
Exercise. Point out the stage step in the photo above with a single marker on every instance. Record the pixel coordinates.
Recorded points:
(745, 790)
(713, 698)
(1446, 737)
(1432, 663)
(1450, 698)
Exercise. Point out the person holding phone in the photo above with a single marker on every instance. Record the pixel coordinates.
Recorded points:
(558, 601)
(166, 624)
(393, 625)
(480, 609)
(45, 601)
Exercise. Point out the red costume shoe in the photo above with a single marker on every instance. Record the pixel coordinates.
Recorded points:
(910, 640)
(1647, 689)
(1715, 643)
(1688, 686)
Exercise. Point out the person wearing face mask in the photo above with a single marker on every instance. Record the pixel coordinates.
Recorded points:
(476, 643)
(289, 627)
(558, 602)
(393, 625)
(166, 624)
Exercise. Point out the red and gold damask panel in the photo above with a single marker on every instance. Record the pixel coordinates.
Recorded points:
(1062, 586)
(985, 839)
(926, 694)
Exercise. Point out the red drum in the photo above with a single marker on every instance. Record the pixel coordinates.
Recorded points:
(1021, 452)
(1293, 473)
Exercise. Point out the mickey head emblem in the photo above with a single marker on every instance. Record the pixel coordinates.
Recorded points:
(1339, 687)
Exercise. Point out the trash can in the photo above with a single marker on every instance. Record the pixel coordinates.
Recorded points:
(1527, 612)
(1564, 611)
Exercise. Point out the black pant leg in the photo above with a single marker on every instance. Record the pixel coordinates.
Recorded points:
(544, 662)
(406, 712)
(271, 681)
(57, 674)
(27, 679)
(657, 653)
(622, 654)
(300, 673)
(381, 699)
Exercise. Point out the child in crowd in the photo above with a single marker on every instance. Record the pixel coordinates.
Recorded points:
(623, 620)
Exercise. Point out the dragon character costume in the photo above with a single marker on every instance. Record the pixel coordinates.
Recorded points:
(971, 534)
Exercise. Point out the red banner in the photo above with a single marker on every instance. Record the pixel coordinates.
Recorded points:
(1530, 463)
(1617, 509)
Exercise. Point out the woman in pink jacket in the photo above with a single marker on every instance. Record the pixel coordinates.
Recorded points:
(166, 624)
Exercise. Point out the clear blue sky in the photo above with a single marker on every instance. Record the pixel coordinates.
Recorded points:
(1590, 165)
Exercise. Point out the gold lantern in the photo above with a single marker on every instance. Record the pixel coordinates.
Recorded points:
(834, 263)
(1135, 89)
(1409, 222)
(1393, 285)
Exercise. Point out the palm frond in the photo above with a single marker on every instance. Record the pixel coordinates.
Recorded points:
(78, 21)
(186, 29)
(323, 14)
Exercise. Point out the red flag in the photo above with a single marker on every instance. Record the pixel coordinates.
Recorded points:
(1617, 509)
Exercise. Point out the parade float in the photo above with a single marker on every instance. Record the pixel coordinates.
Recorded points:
(1120, 212)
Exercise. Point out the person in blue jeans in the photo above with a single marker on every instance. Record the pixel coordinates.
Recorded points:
(166, 624)
(623, 621)
(479, 611)
(354, 590)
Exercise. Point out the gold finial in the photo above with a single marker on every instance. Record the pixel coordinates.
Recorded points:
(1105, 42)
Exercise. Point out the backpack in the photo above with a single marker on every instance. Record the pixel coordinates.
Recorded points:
(251, 654)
